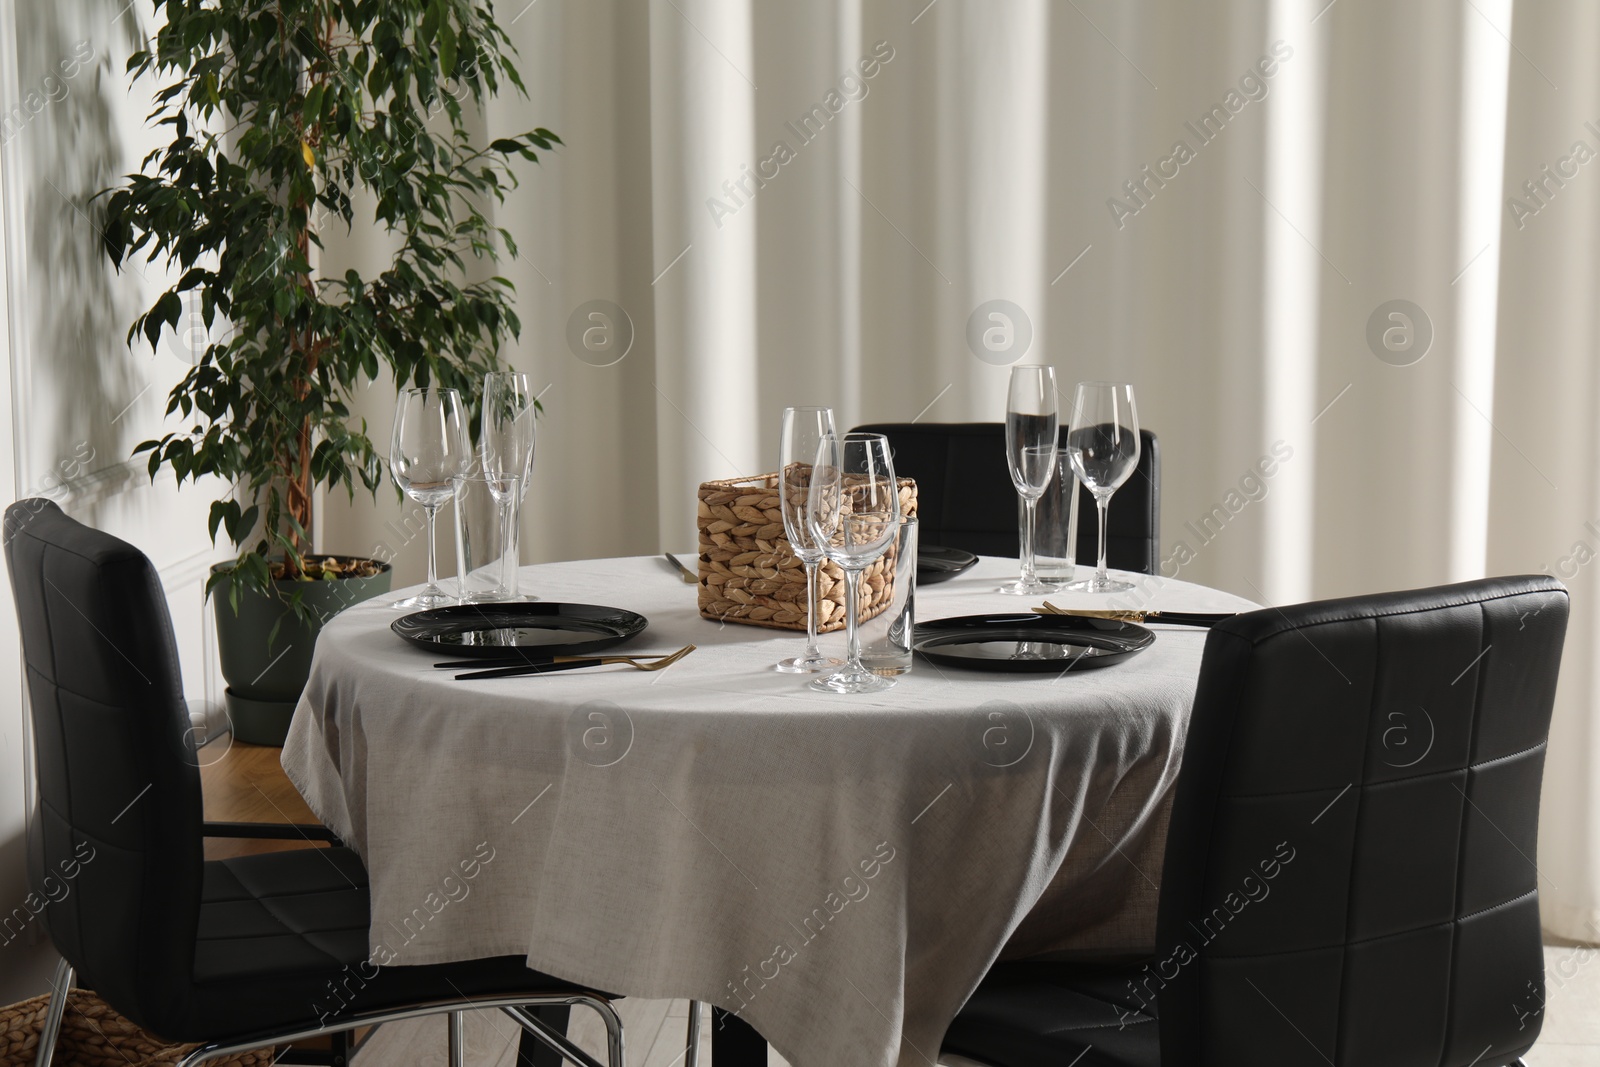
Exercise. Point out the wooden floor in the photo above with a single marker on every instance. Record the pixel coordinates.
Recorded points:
(245, 783)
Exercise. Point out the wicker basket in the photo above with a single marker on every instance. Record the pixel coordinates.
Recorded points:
(749, 574)
(93, 1035)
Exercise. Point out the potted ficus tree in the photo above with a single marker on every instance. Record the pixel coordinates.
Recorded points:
(289, 116)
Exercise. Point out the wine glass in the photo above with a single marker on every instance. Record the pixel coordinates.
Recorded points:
(428, 452)
(507, 441)
(803, 431)
(1031, 428)
(853, 509)
(1103, 446)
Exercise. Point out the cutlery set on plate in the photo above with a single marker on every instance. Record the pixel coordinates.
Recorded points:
(515, 666)
(507, 640)
(1178, 618)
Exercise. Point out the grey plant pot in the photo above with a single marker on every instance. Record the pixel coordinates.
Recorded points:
(265, 680)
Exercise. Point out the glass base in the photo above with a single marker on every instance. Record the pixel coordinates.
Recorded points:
(488, 596)
(1033, 588)
(807, 664)
(495, 596)
(852, 681)
(1097, 585)
(429, 598)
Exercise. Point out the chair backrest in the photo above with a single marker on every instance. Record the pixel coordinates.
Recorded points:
(1350, 870)
(118, 855)
(965, 499)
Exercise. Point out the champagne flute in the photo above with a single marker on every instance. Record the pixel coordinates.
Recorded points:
(1103, 446)
(508, 443)
(1031, 428)
(803, 431)
(428, 451)
(853, 509)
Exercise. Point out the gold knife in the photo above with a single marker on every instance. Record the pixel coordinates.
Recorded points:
(689, 577)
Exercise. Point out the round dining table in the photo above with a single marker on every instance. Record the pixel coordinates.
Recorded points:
(840, 871)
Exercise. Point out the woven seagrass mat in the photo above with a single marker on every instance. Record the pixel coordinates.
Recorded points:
(93, 1035)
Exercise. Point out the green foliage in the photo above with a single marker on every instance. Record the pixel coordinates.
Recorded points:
(281, 112)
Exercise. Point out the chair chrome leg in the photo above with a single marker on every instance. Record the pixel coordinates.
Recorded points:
(615, 1053)
(559, 1043)
(613, 1021)
(691, 1058)
(60, 985)
(531, 1052)
(458, 1039)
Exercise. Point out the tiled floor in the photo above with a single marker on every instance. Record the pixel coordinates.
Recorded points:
(655, 1029)
(1571, 1034)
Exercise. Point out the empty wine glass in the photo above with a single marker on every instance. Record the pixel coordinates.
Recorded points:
(803, 431)
(1031, 427)
(853, 509)
(1103, 445)
(428, 452)
(508, 442)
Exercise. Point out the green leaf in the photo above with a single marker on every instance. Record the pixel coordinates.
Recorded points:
(313, 108)
(235, 221)
(447, 50)
(219, 511)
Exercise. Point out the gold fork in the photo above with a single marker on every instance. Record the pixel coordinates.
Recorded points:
(1177, 618)
(567, 663)
(1095, 613)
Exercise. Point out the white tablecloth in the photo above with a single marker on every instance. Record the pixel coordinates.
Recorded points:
(839, 870)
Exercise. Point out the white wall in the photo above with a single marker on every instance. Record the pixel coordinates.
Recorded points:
(76, 399)
(22, 967)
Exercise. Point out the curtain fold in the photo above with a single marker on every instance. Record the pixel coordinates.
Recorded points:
(1544, 478)
(1225, 205)
(701, 111)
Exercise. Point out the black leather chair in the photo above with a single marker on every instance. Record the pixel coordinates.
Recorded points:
(1349, 872)
(236, 953)
(965, 498)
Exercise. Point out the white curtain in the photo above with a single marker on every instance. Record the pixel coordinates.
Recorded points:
(807, 203)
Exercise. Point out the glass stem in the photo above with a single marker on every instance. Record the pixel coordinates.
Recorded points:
(812, 651)
(1101, 505)
(1029, 570)
(433, 560)
(853, 663)
(505, 545)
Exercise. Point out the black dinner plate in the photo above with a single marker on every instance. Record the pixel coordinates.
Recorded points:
(935, 563)
(1029, 643)
(488, 631)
